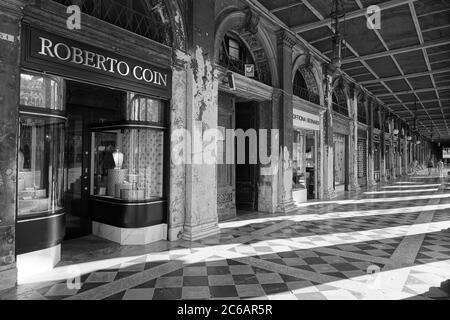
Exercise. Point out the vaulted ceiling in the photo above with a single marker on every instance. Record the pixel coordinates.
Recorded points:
(405, 64)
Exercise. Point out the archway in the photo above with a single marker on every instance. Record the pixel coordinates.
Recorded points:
(253, 37)
(157, 20)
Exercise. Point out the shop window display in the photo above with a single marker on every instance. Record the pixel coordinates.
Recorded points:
(299, 161)
(128, 157)
(41, 146)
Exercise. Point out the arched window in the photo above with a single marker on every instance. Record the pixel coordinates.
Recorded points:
(301, 90)
(148, 18)
(234, 55)
(340, 102)
(376, 119)
(362, 116)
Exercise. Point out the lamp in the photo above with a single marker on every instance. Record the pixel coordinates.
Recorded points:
(396, 131)
(336, 14)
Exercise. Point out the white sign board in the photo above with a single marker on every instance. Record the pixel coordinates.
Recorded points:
(446, 153)
(305, 120)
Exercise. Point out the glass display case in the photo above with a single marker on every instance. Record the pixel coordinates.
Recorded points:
(127, 163)
(299, 161)
(41, 145)
(40, 163)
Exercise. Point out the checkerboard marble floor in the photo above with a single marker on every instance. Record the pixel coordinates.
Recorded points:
(382, 243)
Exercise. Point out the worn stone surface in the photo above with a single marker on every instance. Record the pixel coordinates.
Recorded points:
(202, 114)
(9, 100)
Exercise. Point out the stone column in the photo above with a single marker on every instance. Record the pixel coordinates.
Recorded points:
(328, 142)
(405, 156)
(353, 139)
(383, 169)
(392, 150)
(268, 179)
(370, 143)
(177, 203)
(285, 43)
(201, 219)
(10, 17)
(320, 164)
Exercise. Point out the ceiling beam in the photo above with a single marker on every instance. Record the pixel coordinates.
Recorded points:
(289, 6)
(412, 91)
(350, 15)
(410, 75)
(430, 44)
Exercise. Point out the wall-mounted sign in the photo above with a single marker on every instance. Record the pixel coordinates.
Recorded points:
(66, 57)
(446, 153)
(305, 120)
(6, 37)
(250, 70)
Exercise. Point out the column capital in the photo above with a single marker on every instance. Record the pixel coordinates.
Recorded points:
(286, 39)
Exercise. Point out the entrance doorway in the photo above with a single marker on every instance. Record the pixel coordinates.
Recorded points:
(246, 174)
(86, 105)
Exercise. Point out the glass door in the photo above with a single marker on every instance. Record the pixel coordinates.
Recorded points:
(77, 178)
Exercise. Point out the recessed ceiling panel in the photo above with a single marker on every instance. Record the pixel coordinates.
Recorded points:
(384, 67)
(421, 82)
(397, 27)
(296, 16)
(412, 62)
(363, 40)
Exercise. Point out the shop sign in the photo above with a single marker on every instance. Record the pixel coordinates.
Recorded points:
(250, 70)
(305, 120)
(71, 58)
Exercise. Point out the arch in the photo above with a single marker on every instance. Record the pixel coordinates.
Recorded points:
(253, 35)
(340, 101)
(158, 20)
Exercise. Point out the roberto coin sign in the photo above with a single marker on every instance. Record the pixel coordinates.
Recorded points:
(67, 57)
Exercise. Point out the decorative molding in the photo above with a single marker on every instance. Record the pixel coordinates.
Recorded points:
(252, 20)
(286, 39)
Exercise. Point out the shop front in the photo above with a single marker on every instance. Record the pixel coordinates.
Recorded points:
(341, 153)
(305, 154)
(93, 146)
(362, 154)
(377, 157)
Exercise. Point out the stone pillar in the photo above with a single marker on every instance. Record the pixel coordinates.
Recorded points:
(201, 219)
(320, 164)
(392, 150)
(370, 143)
(285, 43)
(353, 138)
(328, 143)
(383, 168)
(10, 17)
(177, 203)
(268, 179)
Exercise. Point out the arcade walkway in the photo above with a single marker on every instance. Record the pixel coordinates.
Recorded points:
(323, 251)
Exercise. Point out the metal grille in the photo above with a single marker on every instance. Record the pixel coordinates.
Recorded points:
(146, 18)
(306, 94)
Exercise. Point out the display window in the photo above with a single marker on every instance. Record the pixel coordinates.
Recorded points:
(41, 146)
(304, 161)
(128, 164)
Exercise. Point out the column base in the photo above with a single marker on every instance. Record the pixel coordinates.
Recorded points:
(194, 233)
(329, 194)
(354, 187)
(174, 234)
(287, 207)
(8, 279)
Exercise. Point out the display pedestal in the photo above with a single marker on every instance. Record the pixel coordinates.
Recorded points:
(130, 237)
(300, 196)
(33, 263)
